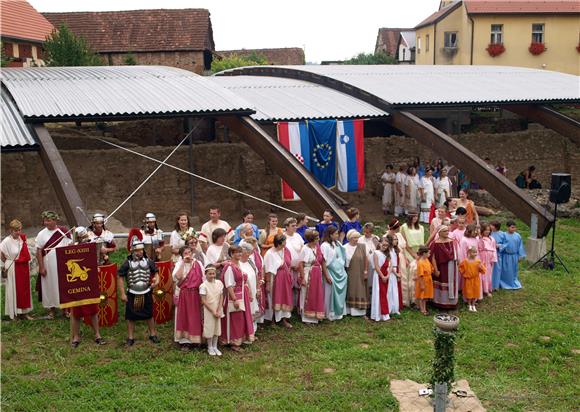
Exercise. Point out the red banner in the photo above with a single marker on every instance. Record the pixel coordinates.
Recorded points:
(163, 293)
(78, 277)
(108, 310)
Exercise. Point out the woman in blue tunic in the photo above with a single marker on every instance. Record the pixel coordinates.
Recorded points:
(499, 238)
(353, 223)
(510, 256)
(335, 290)
(327, 221)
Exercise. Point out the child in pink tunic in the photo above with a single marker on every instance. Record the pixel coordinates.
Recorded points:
(488, 253)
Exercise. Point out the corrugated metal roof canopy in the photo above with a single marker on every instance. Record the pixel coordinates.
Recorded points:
(405, 85)
(15, 134)
(277, 98)
(59, 93)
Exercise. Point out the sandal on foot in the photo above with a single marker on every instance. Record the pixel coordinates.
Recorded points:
(154, 338)
(100, 341)
(75, 344)
(130, 342)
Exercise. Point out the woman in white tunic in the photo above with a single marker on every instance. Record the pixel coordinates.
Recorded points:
(217, 252)
(388, 179)
(179, 236)
(16, 260)
(411, 190)
(426, 194)
(279, 279)
(400, 180)
(443, 189)
(294, 243)
(251, 271)
(49, 238)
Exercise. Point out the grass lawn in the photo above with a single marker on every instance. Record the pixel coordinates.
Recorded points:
(520, 352)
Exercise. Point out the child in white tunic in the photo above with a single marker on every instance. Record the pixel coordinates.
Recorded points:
(379, 258)
(212, 298)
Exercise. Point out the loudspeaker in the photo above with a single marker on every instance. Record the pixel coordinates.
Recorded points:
(561, 188)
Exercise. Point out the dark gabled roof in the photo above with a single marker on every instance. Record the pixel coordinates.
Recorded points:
(439, 15)
(277, 56)
(389, 37)
(140, 30)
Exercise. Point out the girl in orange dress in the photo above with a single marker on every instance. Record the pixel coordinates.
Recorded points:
(470, 269)
(267, 235)
(423, 280)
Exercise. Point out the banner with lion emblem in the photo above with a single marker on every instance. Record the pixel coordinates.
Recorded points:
(78, 276)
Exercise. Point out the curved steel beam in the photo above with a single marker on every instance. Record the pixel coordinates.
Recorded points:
(550, 118)
(312, 193)
(501, 188)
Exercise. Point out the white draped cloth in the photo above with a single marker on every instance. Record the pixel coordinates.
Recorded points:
(11, 248)
(393, 289)
(308, 257)
(426, 183)
(49, 283)
(249, 270)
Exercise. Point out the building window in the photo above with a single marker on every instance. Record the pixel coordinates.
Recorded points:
(427, 43)
(450, 39)
(538, 33)
(418, 45)
(8, 49)
(25, 51)
(496, 34)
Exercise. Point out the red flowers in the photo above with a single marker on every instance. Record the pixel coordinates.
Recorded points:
(537, 48)
(495, 49)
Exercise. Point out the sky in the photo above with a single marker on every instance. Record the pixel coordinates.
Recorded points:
(327, 30)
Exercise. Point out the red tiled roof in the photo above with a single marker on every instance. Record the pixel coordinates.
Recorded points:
(19, 20)
(388, 39)
(522, 6)
(278, 56)
(140, 30)
(438, 15)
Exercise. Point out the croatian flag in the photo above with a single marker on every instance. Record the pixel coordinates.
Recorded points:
(350, 155)
(294, 137)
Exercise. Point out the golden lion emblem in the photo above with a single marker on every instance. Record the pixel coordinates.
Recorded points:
(76, 272)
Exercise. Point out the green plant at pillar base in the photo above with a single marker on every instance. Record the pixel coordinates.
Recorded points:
(444, 361)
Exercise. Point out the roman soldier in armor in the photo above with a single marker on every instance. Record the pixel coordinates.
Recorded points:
(85, 311)
(99, 234)
(140, 274)
(152, 236)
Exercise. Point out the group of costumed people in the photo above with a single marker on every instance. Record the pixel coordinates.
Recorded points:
(229, 281)
(416, 187)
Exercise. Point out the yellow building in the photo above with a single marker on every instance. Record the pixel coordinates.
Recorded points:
(529, 33)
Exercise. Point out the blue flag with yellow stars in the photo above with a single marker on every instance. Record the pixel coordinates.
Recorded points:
(322, 134)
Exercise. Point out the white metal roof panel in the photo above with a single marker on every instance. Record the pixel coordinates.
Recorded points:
(441, 85)
(14, 133)
(111, 91)
(278, 98)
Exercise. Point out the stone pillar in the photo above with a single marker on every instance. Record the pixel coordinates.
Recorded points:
(535, 248)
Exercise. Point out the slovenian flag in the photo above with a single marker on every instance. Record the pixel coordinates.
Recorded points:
(350, 155)
(294, 137)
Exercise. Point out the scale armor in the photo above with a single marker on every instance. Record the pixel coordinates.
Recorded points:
(138, 277)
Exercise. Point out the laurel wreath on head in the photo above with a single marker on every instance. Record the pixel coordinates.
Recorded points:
(322, 146)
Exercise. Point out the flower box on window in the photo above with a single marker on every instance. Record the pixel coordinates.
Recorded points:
(537, 48)
(495, 49)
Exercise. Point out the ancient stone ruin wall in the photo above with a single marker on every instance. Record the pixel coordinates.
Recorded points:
(105, 177)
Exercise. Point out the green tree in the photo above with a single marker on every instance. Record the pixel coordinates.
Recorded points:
(130, 59)
(371, 58)
(233, 61)
(4, 60)
(63, 48)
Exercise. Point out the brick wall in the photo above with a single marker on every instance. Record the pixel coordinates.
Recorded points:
(105, 177)
(188, 60)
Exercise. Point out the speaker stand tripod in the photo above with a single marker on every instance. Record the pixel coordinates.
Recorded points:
(547, 260)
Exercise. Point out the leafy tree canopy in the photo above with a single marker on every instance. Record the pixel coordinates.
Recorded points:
(63, 48)
(371, 58)
(233, 61)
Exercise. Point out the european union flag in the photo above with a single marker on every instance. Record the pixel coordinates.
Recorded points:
(322, 134)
